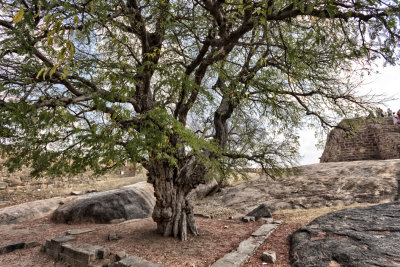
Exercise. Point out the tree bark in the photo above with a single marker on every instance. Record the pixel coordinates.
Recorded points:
(173, 212)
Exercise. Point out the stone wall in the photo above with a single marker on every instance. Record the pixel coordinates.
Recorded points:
(369, 139)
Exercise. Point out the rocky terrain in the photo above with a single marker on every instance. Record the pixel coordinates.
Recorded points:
(314, 186)
(368, 236)
(318, 188)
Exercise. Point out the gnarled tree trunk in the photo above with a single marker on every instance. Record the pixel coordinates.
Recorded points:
(173, 212)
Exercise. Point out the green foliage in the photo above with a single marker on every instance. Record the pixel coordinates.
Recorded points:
(93, 84)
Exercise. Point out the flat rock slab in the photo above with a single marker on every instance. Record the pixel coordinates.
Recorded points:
(135, 261)
(80, 231)
(129, 202)
(265, 229)
(367, 236)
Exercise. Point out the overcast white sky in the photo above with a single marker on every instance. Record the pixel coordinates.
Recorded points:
(386, 82)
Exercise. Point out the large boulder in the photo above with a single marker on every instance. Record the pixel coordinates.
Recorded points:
(129, 202)
(368, 236)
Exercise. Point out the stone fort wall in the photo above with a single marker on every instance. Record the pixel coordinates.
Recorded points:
(369, 139)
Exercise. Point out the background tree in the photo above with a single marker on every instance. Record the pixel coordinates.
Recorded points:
(184, 87)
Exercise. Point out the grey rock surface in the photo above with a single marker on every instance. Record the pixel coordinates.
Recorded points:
(316, 186)
(260, 212)
(129, 202)
(368, 236)
(203, 190)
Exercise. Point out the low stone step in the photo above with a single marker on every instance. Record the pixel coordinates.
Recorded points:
(80, 255)
(53, 247)
(134, 261)
(247, 247)
(76, 254)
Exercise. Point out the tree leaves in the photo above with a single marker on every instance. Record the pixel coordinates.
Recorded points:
(18, 17)
(40, 72)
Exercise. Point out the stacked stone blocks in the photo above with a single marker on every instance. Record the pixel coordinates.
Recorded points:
(367, 139)
(76, 254)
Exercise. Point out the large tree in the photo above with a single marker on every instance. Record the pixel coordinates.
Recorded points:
(184, 87)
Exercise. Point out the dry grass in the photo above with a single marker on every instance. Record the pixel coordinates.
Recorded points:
(304, 216)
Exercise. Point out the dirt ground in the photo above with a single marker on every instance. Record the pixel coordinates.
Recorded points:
(139, 237)
(217, 237)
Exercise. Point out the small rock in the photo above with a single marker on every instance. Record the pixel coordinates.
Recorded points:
(278, 222)
(115, 221)
(26, 179)
(260, 212)
(248, 219)
(31, 244)
(42, 225)
(269, 256)
(112, 236)
(230, 217)
(76, 193)
(91, 191)
(266, 220)
(103, 253)
(61, 202)
(3, 185)
(120, 255)
(13, 182)
(226, 226)
(203, 215)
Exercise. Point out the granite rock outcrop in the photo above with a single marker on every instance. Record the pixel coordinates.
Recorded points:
(316, 186)
(368, 236)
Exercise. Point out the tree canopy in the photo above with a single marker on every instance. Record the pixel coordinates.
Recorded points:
(184, 87)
